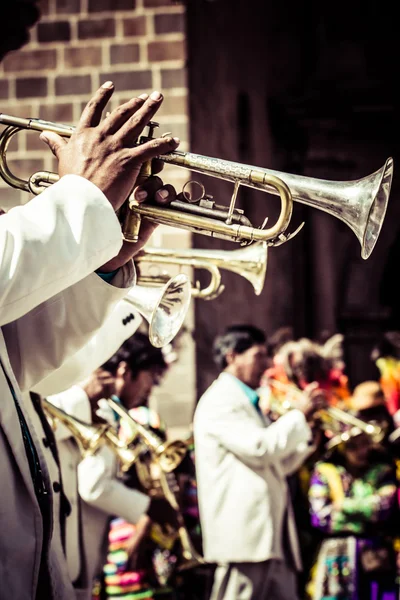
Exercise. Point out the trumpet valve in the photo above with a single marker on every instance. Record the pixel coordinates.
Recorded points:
(132, 223)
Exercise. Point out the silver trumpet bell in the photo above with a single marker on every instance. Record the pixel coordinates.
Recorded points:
(164, 308)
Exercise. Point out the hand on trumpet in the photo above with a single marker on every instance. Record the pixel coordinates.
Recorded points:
(314, 399)
(105, 153)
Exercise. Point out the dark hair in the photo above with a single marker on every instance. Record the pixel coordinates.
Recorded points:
(236, 338)
(20, 16)
(139, 354)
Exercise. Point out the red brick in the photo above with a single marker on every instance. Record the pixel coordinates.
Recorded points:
(20, 110)
(68, 7)
(111, 5)
(44, 6)
(124, 53)
(33, 141)
(57, 31)
(169, 23)
(174, 105)
(160, 51)
(82, 57)
(31, 87)
(173, 78)
(74, 84)
(155, 3)
(59, 113)
(31, 60)
(96, 28)
(134, 27)
(4, 89)
(9, 197)
(25, 167)
(129, 80)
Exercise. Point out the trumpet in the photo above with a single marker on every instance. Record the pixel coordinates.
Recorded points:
(332, 418)
(155, 465)
(361, 203)
(249, 262)
(90, 438)
(164, 309)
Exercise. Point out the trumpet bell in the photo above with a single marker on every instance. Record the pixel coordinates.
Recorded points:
(164, 308)
(361, 203)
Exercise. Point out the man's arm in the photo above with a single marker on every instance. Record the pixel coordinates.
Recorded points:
(53, 242)
(41, 341)
(98, 486)
(255, 445)
(119, 326)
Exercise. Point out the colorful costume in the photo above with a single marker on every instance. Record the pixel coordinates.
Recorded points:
(389, 369)
(356, 560)
(150, 579)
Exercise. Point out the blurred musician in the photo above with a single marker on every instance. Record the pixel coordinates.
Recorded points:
(353, 499)
(242, 461)
(92, 485)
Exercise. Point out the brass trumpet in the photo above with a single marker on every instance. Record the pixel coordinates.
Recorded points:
(361, 203)
(249, 262)
(156, 474)
(169, 455)
(332, 418)
(91, 437)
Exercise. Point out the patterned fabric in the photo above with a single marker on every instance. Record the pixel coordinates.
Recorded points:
(149, 582)
(356, 560)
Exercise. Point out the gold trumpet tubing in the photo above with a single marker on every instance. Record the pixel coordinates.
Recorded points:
(340, 415)
(189, 553)
(88, 437)
(249, 262)
(211, 291)
(224, 230)
(168, 454)
(334, 197)
(16, 124)
(126, 454)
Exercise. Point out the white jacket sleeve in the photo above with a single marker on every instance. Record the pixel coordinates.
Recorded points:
(119, 326)
(293, 462)
(42, 340)
(52, 242)
(236, 431)
(99, 487)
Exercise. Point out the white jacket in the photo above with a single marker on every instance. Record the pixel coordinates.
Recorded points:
(95, 494)
(51, 302)
(241, 464)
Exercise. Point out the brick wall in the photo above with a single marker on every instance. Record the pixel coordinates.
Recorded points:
(76, 46)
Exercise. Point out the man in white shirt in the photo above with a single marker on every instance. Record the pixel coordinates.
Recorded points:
(52, 301)
(91, 484)
(242, 461)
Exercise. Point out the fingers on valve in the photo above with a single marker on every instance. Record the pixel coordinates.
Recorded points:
(154, 148)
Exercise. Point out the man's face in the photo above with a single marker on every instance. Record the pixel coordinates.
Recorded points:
(250, 365)
(136, 391)
(18, 17)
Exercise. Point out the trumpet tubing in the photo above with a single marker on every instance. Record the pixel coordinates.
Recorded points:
(169, 455)
(361, 203)
(249, 262)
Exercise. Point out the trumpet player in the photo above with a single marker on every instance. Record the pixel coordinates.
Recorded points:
(242, 461)
(52, 300)
(92, 487)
